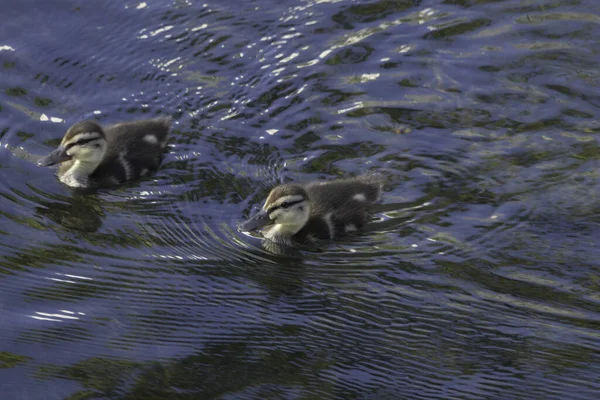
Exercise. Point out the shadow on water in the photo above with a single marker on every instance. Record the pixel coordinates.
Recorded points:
(478, 277)
(81, 212)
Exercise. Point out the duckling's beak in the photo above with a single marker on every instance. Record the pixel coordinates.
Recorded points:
(57, 156)
(259, 220)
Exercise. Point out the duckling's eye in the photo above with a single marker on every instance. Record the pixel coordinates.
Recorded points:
(285, 205)
(81, 142)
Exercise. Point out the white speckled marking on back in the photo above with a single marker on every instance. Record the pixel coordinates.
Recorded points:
(350, 228)
(150, 139)
(359, 197)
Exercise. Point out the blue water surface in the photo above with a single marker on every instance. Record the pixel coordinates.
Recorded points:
(478, 279)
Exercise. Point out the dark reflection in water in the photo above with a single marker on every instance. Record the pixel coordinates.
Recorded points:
(478, 278)
(82, 213)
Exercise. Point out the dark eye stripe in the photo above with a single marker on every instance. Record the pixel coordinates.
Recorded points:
(81, 142)
(289, 204)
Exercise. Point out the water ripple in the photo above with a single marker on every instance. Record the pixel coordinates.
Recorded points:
(477, 277)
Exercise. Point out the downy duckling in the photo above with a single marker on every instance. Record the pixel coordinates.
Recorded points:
(91, 156)
(316, 210)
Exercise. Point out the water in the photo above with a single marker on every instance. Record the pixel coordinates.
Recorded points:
(479, 279)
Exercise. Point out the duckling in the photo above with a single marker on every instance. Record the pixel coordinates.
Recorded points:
(92, 156)
(316, 210)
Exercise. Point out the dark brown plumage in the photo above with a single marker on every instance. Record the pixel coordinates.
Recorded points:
(323, 210)
(92, 156)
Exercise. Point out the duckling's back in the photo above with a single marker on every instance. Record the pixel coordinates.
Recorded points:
(362, 191)
(134, 150)
(148, 133)
(341, 206)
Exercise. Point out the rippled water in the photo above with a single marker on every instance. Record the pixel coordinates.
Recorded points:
(479, 280)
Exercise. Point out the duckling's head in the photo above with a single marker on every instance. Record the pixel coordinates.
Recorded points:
(285, 212)
(84, 142)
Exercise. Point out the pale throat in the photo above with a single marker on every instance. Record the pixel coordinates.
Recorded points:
(288, 229)
(283, 230)
(280, 233)
(78, 173)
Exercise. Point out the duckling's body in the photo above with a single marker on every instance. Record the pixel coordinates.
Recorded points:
(316, 210)
(91, 156)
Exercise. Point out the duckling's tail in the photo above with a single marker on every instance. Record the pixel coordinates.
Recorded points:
(377, 181)
(165, 120)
